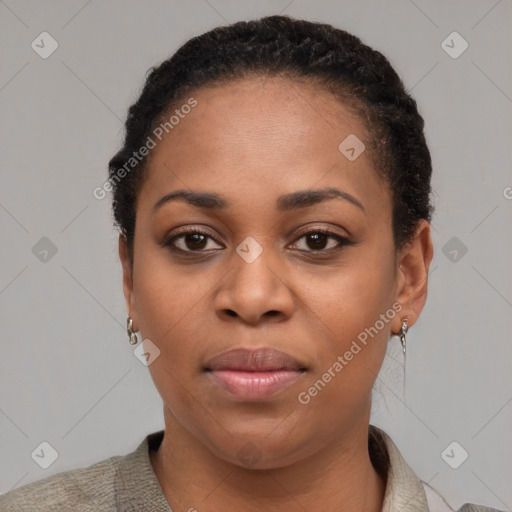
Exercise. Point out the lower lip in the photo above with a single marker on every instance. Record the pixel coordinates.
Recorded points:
(254, 385)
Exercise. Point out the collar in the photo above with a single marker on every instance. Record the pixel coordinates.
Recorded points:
(136, 485)
(404, 490)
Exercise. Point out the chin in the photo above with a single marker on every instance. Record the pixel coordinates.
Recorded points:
(261, 447)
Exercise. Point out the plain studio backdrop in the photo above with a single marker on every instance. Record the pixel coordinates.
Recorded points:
(69, 377)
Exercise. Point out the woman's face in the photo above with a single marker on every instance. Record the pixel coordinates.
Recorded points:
(253, 278)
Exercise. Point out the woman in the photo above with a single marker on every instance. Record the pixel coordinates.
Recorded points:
(273, 200)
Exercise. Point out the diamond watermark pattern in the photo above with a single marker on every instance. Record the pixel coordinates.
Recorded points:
(44, 45)
(249, 249)
(454, 455)
(248, 455)
(454, 249)
(44, 455)
(146, 352)
(351, 147)
(44, 250)
(454, 45)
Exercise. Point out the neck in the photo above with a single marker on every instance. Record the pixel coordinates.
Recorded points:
(340, 477)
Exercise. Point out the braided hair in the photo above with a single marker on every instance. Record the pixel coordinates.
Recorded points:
(302, 50)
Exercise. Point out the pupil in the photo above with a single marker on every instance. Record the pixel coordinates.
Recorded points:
(197, 238)
(318, 239)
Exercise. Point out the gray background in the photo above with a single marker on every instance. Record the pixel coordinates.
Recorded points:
(68, 375)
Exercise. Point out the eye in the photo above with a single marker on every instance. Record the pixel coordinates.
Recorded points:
(190, 240)
(317, 239)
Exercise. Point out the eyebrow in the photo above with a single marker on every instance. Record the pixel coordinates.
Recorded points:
(285, 203)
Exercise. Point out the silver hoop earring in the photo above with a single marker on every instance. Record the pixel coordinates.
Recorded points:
(131, 332)
(402, 333)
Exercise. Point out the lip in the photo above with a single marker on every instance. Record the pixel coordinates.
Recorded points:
(256, 360)
(251, 375)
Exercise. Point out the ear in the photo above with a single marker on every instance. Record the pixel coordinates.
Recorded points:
(129, 295)
(413, 263)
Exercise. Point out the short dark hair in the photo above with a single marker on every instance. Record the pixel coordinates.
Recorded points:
(302, 50)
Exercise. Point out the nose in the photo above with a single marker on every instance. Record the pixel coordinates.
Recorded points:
(253, 292)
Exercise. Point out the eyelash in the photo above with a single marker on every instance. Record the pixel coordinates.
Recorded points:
(342, 241)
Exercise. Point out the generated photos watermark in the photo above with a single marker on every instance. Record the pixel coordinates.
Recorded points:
(305, 397)
(150, 143)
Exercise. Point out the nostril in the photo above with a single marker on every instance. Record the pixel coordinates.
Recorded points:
(230, 312)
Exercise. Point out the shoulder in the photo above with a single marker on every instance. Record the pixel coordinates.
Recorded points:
(436, 503)
(470, 507)
(79, 490)
(404, 490)
(122, 482)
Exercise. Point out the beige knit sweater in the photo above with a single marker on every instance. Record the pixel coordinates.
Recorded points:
(127, 483)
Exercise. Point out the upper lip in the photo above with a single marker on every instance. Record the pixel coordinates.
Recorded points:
(262, 359)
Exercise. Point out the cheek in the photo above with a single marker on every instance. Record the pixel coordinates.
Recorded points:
(174, 312)
(347, 365)
(352, 323)
(344, 302)
(165, 295)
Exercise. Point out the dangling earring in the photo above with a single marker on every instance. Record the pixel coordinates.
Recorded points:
(402, 334)
(130, 331)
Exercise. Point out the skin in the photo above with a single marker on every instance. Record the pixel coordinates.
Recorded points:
(252, 141)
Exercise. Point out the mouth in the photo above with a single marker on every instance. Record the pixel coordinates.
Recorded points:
(252, 375)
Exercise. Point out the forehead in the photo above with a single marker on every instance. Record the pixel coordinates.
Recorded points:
(247, 113)
(261, 137)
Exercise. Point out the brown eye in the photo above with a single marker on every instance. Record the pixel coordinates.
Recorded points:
(190, 240)
(317, 240)
(194, 240)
